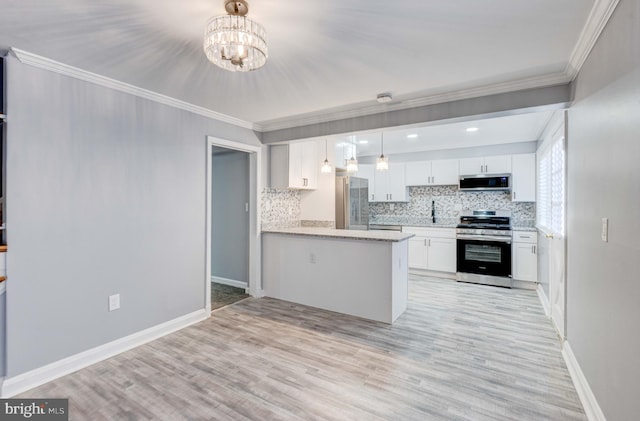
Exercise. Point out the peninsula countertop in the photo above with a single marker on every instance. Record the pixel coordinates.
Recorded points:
(393, 236)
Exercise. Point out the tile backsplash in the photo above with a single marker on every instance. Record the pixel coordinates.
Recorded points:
(449, 201)
(280, 208)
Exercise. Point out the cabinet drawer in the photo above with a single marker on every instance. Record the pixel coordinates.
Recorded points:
(525, 237)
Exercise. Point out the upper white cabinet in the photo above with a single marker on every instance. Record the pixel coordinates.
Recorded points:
(500, 164)
(432, 173)
(295, 166)
(368, 171)
(523, 177)
(389, 186)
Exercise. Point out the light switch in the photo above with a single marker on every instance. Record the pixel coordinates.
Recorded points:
(114, 302)
(605, 229)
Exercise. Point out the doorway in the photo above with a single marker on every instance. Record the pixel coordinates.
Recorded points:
(229, 226)
(233, 221)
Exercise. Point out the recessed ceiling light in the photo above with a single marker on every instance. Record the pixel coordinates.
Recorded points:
(472, 129)
(412, 136)
(363, 142)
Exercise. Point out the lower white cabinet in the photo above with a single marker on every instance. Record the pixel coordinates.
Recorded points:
(432, 248)
(524, 256)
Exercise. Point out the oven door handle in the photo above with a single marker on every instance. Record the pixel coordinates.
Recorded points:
(488, 238)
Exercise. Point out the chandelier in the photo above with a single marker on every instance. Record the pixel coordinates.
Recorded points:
(235, 42)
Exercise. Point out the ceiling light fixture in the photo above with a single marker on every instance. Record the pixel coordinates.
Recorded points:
(363, 142)
(235, 42)
(326, 167)
(352, 164)
(384, 97)
(383, 162)
(472, 129)
(412, 136)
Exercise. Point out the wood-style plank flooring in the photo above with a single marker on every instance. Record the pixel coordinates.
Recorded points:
(460, 352)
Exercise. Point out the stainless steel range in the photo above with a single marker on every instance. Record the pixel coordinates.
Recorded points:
(484, 247)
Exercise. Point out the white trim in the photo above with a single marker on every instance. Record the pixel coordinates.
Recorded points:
(230, 282)
(544, 301)
(22, 382)
(597, 20)
(588, 399)
(74, 72)
(255, 181)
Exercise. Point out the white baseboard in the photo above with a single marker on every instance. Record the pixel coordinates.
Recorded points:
(432, 274)
(230, 282)
(589, 402)
(23, 382)
(544, 300)
(528, 285)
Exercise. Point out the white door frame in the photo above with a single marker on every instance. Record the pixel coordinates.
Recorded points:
(255, 187)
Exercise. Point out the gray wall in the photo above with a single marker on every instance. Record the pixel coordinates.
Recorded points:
(105, 195)
(603, 297)
(229, 220)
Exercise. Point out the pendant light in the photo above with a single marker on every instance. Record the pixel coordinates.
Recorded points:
(383, 162)
(326, 167)
(352, 164)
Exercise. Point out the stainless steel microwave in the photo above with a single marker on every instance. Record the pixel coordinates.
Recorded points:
(485, 182)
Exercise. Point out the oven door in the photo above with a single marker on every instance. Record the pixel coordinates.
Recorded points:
(484, 256)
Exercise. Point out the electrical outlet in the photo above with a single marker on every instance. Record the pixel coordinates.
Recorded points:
(114, 302)
(605, 229)
(312, 258)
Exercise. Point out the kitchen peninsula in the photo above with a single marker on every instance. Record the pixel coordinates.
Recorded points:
(360, 273)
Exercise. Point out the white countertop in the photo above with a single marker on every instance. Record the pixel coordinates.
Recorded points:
(345, 234)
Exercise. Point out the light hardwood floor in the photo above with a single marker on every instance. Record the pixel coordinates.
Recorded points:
(460, 352)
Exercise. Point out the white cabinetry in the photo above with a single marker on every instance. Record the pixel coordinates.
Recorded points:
(368, 171)
(486, 165)
(524, 256)
(523, 177)
(432, 249)
(389, 186)
(432, 173)
(295, 166)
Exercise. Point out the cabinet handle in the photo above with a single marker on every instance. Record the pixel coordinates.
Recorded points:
(429, 242)
(390, 196)
(425, 242)
(514, 195)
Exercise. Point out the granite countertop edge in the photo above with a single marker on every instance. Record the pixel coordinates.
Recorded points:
(392, 236)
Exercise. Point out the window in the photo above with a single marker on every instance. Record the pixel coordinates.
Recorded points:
(550, 206)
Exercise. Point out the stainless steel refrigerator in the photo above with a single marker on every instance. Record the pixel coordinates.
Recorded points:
(352, 203)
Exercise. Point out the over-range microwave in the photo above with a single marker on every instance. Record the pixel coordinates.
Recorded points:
(484, 182)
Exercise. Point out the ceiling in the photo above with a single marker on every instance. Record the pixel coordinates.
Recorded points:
(488, 131)
(325, 57)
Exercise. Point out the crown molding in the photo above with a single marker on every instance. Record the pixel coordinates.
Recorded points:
(552, 79)
(74, 72)
(597, 20)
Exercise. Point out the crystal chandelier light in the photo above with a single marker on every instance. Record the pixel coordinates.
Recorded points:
(235, 42)
(383, 162)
